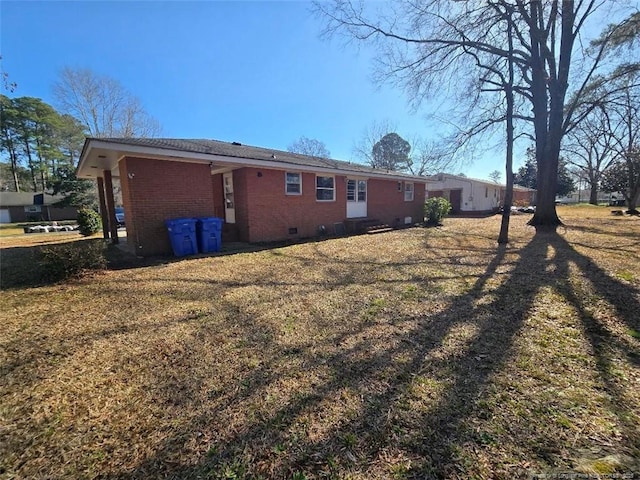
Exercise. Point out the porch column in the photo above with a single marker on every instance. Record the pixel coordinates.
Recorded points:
(111, 207)
(103, 208)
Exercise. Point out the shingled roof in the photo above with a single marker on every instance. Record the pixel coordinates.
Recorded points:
(237, 150)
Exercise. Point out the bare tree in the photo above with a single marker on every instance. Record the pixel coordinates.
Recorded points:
(624, 115)
(372, 133)
(431, 157)
(103, 105)
(423, 43)
(589, 149)
(309, 146)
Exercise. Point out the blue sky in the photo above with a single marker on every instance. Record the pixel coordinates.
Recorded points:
(253, 72)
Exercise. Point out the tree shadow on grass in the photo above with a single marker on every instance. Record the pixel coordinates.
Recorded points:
(382, 379)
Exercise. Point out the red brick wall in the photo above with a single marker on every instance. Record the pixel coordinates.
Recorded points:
(522, 197)
(156, 190)
(386, 203)
(270, 213)
(160, 189)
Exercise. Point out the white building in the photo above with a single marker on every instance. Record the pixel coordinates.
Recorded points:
(473, 195)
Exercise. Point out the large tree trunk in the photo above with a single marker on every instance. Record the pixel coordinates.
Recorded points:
(593, 194)
(546, 216)
(547, 175)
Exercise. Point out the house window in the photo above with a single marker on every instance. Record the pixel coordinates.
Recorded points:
(408, 192)
(399, 186)
(356, 190)
(362, 191)
(325, 188)
(486, 192)
(293, 183)
(351, 190)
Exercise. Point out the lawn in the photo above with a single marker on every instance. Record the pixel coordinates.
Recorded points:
(418, 353)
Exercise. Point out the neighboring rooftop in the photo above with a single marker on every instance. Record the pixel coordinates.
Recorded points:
(440, 177)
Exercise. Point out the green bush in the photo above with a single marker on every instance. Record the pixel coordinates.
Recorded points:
(435, 209)
(66, 260)
(89, 222)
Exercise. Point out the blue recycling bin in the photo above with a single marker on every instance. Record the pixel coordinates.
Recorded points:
(182, 233)
(209, 234)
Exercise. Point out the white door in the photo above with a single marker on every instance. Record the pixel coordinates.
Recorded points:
(229, 201)
(356, 198)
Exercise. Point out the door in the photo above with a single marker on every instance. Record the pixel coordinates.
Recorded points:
(356, 198)
(229, 201)
(455, 197)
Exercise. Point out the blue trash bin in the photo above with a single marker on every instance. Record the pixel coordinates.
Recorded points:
(209, 234)
(182, 233)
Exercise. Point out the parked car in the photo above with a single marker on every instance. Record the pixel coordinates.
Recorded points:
(120, 216)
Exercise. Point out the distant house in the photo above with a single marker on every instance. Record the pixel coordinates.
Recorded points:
(582, 196)
(470, 195)
(263, 195)
(33, 207)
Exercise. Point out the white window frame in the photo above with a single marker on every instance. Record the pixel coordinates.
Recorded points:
(333, 188)
(359, 194)
(409, 189)
(287, 183)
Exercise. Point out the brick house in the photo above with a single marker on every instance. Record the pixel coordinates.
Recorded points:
(471, 195)
(33, 207)
(262, 194)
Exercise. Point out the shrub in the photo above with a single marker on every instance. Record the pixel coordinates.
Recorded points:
(89, 222)
(435, 209)
(72, 259)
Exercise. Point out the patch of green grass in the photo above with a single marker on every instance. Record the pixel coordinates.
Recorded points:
(350, 439)
(626, 275)
(633, 333)
(374, 308)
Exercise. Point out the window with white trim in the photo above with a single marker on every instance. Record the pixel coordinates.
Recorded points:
(325, 188)
(408, 191)
(293, 183)
(356, 190)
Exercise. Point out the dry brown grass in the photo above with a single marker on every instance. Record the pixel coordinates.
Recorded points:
(422, 353)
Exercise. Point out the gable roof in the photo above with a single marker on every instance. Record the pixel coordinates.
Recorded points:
(104, 153)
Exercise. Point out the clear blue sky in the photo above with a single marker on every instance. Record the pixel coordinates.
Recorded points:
(253, 72)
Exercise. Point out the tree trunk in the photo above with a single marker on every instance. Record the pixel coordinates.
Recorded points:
(31, 165)
(593, 194)
(503, 237)
(546, 216)
(545, 195)
(13, 157)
